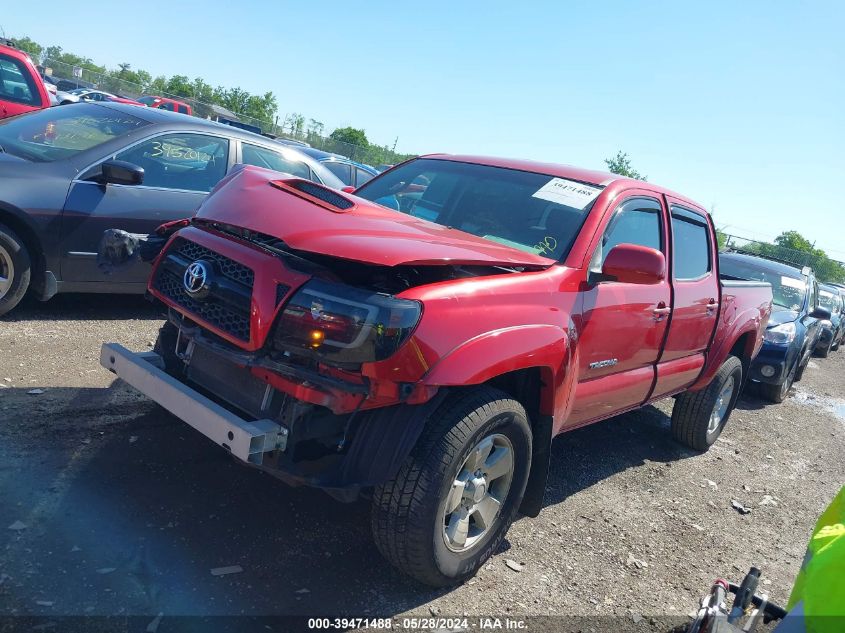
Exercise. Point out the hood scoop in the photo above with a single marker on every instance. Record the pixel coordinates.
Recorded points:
(318, 194)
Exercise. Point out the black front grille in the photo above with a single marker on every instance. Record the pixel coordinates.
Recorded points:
(227, 305)
(228, 267)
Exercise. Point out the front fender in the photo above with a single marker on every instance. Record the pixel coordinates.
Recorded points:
(501, 351)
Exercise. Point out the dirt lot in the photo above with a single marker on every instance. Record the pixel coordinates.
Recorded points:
(110, 506)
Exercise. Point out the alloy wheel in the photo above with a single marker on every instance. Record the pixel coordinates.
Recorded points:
(7, 271)
(723, 402)
(480, 488)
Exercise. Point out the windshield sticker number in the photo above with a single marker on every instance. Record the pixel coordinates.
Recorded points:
(789, 282)
(567, 192)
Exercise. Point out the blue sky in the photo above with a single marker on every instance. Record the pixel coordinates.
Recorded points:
(740, 106)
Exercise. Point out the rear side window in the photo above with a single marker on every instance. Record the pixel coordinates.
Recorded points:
(261, 157)
(16, 83)
(341, 170)
(362, 176)
(183, 109)
(691, 244)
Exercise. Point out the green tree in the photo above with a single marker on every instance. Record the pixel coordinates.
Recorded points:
(29, 46)
(180, 86)
(350, 135)
(621, 164)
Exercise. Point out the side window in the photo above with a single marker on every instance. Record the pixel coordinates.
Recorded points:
(16, 84)
(813, 297)
(341, 170)
(362, 176)
(636, 221)
(262, 157)
(690, 244)
(183, 109)
(166, 106)
(194, 162)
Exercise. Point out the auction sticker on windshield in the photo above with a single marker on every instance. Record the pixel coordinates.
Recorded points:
(567, 192)
(790, 282)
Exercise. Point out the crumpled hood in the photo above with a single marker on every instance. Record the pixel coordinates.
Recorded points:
(287, 208)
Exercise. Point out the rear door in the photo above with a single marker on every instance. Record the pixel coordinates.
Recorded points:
(695, 302)
(180, 168)
(623, 325)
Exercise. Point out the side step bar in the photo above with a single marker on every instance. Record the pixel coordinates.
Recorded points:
(246, 440)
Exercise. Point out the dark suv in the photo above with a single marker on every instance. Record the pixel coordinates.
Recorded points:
(794, 327)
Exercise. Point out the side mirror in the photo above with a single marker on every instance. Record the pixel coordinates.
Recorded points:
(348, 189)
(820, 313)
(634, 264)
(119, 172)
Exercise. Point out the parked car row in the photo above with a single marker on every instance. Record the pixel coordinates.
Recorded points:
(806, 318)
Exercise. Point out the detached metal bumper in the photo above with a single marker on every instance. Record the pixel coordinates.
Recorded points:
(246, 440)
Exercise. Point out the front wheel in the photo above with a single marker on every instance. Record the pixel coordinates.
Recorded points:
(15, 269)
(777, 393)
(454, 498)
(698, 417)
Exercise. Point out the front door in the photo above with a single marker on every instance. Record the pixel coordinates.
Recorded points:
(179, 171)
(623, 325)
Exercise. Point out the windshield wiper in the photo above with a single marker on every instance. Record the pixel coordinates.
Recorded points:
(2, 150)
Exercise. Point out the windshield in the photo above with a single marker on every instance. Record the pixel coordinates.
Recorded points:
(147, 100)
(531, 212)
(788, 292)
(57, 133)
(829, 298)
(80, 91)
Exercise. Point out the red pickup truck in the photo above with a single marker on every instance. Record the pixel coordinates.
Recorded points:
(423, 340)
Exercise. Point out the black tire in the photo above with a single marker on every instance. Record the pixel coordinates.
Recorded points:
(165, 346)
(825, 351)
(777, 393)
(692, 412)
(408, 519)
(13, 251)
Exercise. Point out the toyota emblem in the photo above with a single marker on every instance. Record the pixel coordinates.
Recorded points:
(196, 279)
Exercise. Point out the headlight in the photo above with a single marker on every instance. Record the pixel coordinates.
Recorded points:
(341, 325)
(826, 323)
(780, 334)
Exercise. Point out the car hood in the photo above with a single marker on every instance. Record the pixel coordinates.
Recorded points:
(7, 159)
(312, 218)
(781, 315)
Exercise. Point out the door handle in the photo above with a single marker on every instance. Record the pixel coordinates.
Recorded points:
(661, 310)
(712, 305)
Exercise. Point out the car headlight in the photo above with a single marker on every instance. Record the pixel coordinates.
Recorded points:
(782, 334)
(344, 326)
(826, 323)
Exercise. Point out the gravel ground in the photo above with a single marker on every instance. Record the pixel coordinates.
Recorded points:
(110, 506)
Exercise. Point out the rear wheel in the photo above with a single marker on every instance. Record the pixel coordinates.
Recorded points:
(825, 351)
(699, 417)
(15, 269)
(453, 500)
(777, 393)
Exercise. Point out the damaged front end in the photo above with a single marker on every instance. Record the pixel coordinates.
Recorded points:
(299, 362)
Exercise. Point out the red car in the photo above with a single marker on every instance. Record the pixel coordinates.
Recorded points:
(429, 356)
(21, 87)
(166, 104)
